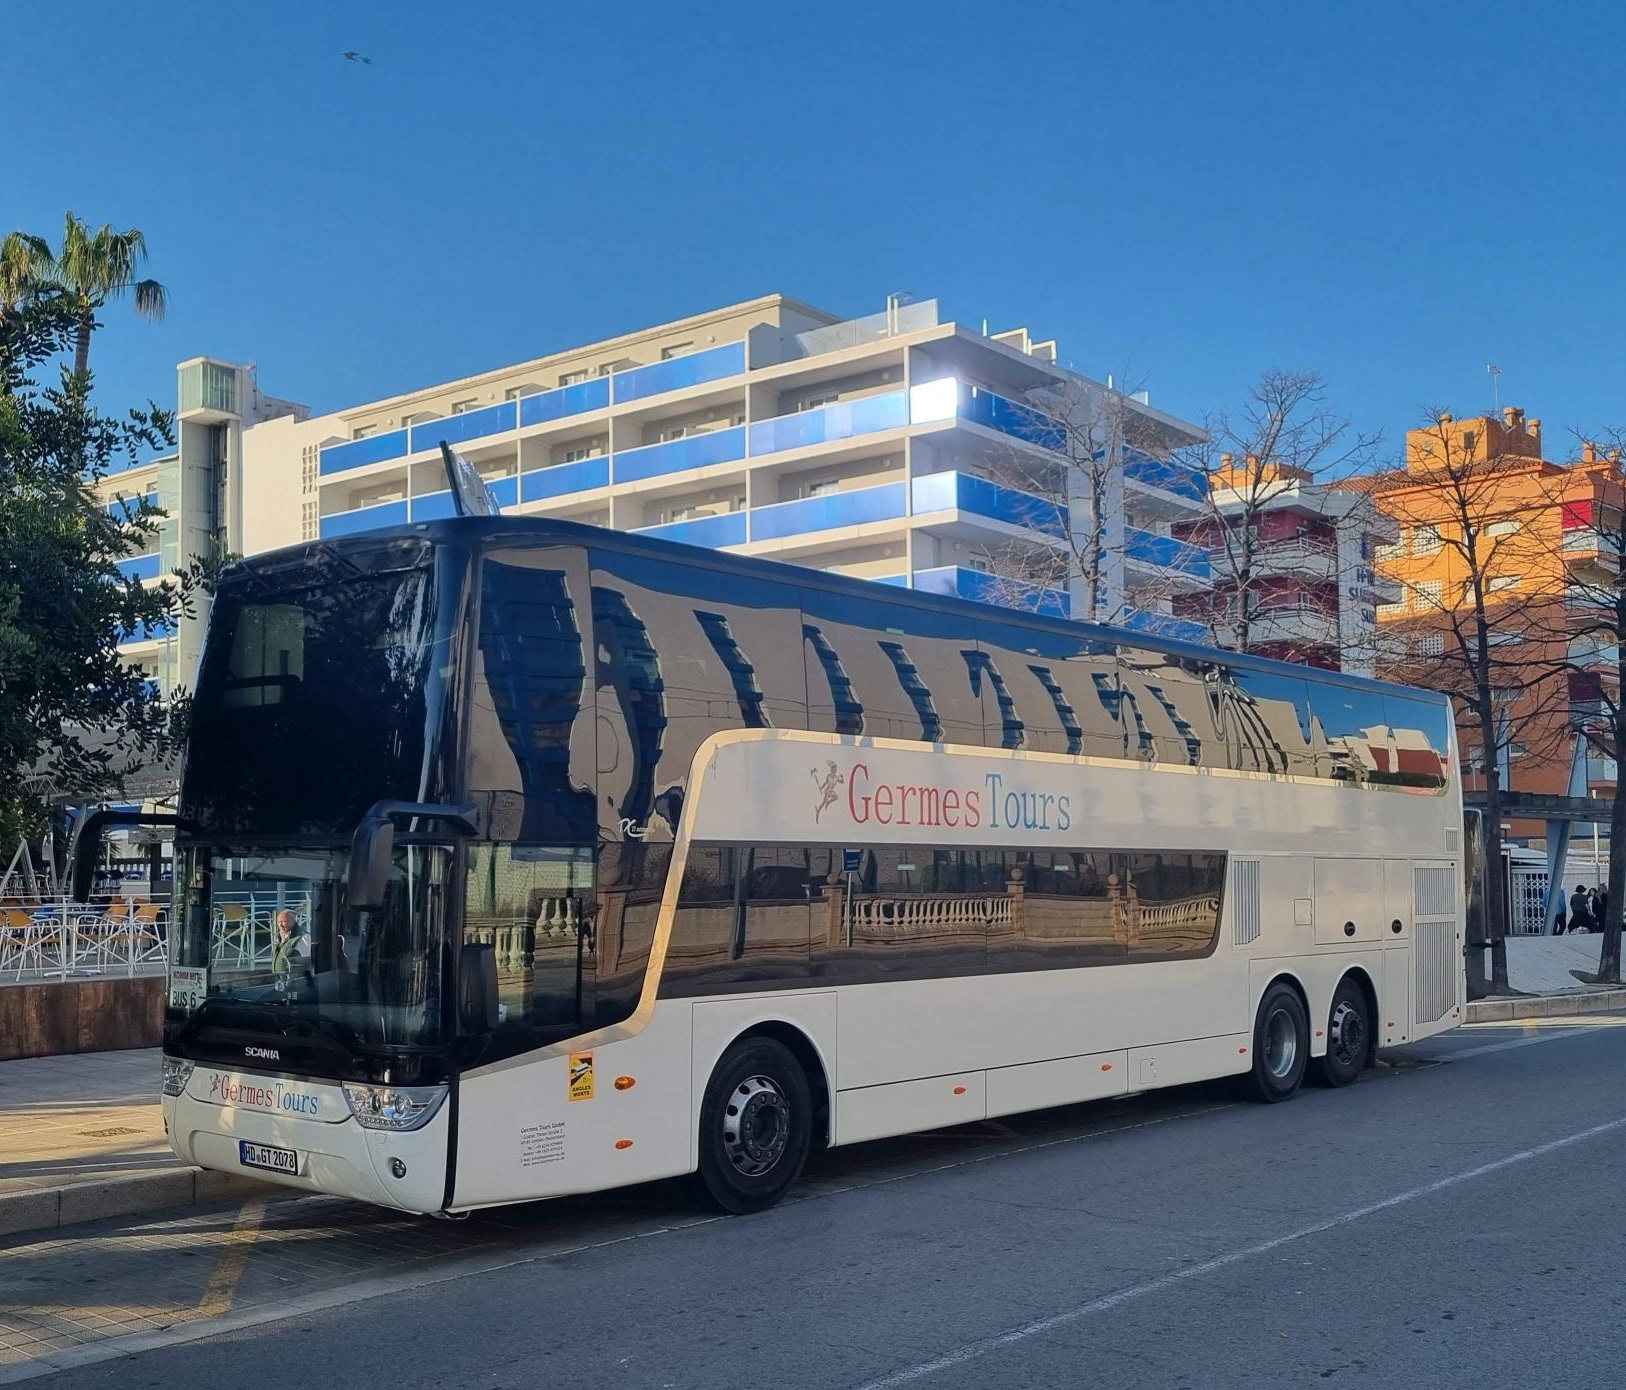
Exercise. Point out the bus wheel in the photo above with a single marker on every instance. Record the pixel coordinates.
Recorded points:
(1281, 1045)
(756, 1125)
(1349, 1034)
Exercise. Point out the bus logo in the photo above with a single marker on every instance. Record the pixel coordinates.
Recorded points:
(827, 786)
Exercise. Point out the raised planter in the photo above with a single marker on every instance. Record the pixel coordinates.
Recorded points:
(49, 1018)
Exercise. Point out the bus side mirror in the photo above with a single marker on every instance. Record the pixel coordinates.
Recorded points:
(373, 845)
(477, 988)
(86, 852)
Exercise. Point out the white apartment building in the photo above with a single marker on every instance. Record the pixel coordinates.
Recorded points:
(879, 447)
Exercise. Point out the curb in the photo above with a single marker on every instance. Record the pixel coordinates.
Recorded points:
(1595, 1001)
(49, 1207)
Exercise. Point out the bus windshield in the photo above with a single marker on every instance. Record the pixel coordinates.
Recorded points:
(266, 945)
(316, 699)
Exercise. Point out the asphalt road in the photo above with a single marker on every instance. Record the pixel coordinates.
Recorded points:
(1455, 1220)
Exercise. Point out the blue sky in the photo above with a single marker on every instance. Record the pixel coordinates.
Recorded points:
(1183, 194)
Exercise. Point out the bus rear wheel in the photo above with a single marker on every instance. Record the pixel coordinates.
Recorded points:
(1281, 1045)
(756, 1126)
(1349, 1035)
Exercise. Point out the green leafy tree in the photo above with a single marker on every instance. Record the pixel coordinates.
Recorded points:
(73, 717)
(92, 268)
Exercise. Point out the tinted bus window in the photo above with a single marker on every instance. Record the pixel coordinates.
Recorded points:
(1267, 723)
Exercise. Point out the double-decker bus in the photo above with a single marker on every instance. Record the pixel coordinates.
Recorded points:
(517, 858)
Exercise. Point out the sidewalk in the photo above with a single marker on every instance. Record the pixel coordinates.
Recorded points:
(82, 1137)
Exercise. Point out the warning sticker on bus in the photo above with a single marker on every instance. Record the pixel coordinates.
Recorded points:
(581, 1076)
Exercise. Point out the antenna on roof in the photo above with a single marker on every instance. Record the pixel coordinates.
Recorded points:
(1496, 385)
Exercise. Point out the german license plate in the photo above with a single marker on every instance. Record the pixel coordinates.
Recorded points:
(265, 1156)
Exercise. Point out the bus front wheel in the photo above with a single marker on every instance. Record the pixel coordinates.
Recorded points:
(1281, 1045)
(756, 1126)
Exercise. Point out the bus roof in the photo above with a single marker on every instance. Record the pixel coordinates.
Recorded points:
(487, 531)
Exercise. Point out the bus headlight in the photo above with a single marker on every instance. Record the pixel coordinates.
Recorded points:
(393, 1107)
(177, 1072)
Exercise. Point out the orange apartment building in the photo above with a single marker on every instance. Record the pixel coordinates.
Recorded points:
(1538, 548)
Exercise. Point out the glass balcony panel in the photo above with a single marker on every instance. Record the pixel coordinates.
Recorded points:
(888, 411)
(364, 519)
(884, 503)
(680, 455)
(1022, 422)
(126, 508)
(960, 581)
(936, 492)
(1163, 474)
(472, 424)
(713, 531)
(564, 478)
(359, 452)
(431, 506)
(1162, 625)
(576, 399)
(1166, 553)
(691, 369)
(140, 566)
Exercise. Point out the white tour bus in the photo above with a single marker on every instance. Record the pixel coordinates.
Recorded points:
(516, 858)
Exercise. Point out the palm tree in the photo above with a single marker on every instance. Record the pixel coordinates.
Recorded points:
(92, 268)
(25, 263)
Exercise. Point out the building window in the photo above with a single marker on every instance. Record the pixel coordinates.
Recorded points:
(583, 451)
(676, 350)
(819, 402)
(364, 431)
(513, 393)
(1429, 644)
(1425, 540)
(463, 407)
(819, 489)
(420, 417)
(1504, 637)
(571, 378)
(1430, 593)
(1502, 528)
(1503, 582)
(667, 435)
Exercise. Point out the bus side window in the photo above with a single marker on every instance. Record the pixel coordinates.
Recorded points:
(742, 920)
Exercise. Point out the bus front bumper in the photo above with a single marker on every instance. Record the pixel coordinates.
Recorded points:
(301, 1134)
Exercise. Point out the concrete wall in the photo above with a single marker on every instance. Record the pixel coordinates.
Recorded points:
(45, 1020)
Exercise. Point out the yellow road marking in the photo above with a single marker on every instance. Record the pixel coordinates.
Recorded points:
(234, 1252)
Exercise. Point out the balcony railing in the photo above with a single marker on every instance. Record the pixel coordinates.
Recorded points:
(966, 492)
(358, 453)
(576, 399)
(1166, 553)
(1165, 475)
(126, 508)
(959, 581)
(432, 506)
(364, 519)
(727, 528)
(1163, 625)
(680, 455)
(584, 475)
(141, 566)
(1010, 417)
(471, 424)
(676, 373)
(845, 420)
(887, 502)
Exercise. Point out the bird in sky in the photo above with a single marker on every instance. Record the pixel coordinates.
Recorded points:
(355, 57)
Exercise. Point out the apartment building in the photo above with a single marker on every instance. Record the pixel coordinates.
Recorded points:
(1546, 557)
(880, 447)
(1301, 555)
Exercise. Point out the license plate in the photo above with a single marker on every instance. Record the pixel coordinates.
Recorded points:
(264, 1156)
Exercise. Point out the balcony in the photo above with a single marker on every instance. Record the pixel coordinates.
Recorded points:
(358, 453)
(1594, 653)
(432, 506)
(1306, 559)
(676, 373)
(127, 508)
(1303, 626)
(680, 455)
(578, 398)
(846, 420)
(713, 531)
(1164, 475)
(1149, 620)
(966, 492)
(958, 581)
(562, 479)
(471, 424)
(1167, 554)
(146, 632)
(364, 519)
(1009, 417)
(888, 502)
(141, 567)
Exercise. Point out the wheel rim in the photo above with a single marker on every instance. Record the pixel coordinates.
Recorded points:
(756, 1126)
(1346, 1034)
(1281, 1044)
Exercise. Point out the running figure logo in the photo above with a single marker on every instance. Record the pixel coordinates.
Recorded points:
(827, 785)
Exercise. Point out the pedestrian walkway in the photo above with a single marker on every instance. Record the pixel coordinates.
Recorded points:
(80, 1118)
(1542, 964)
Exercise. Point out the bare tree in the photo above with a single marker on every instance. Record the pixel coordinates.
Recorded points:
(1285, 439)
(1074, 442)
(1584, 637)
(1478, 586)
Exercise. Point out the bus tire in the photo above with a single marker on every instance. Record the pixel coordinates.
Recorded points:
(756, 1126)
(1349, 1035)
(1281, 1045)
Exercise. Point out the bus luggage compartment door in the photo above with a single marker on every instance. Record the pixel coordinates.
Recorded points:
(1349, 901)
